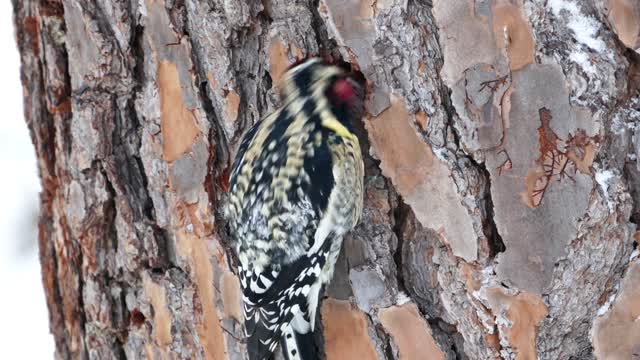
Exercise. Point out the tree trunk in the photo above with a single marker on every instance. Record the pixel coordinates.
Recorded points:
(502, 181)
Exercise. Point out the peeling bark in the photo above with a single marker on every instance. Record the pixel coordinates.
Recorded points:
(502, 182)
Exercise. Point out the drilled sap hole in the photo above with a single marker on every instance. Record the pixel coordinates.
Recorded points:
(137, 318)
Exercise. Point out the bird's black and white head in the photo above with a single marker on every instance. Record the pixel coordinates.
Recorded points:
(314, 77)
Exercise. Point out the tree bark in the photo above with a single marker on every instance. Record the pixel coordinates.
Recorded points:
(502, 181)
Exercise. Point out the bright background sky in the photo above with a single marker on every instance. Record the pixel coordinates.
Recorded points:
(24, 322)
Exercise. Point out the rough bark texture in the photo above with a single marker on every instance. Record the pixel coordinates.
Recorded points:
(502, 180)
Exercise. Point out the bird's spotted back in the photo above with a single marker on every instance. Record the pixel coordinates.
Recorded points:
(283, 172)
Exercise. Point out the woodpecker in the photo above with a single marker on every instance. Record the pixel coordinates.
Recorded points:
(295, 189)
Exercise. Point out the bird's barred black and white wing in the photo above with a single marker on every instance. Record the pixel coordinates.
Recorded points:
(295, 189)
(278, 280)
(276, 306)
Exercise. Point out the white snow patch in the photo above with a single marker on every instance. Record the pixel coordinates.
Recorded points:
(487, 320)
(607, 305)
(488, 271)
(581, 58)
(602, 178)
(625, 121)
(585, 28)
(503, 324)
(402, 298)
(439, 152)
(604, 308)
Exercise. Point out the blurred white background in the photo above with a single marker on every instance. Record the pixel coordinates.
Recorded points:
(24, 322)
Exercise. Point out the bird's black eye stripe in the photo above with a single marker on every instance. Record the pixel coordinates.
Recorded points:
(304, 78)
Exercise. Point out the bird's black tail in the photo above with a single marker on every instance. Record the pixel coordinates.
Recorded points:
(260, 338)
(296, 346)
